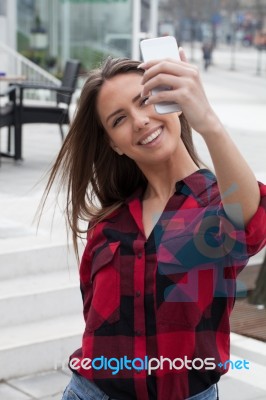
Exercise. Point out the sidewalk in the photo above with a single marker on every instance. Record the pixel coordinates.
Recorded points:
(239, 98)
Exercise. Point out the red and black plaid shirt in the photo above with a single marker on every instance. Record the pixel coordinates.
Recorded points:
(167, 296)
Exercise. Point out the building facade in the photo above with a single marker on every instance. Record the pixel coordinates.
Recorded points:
(83, 29)
(51, 31)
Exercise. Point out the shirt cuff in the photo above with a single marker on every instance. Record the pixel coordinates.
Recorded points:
(245, 242)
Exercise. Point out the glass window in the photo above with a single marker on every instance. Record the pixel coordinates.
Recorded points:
(97, 28)
(88, 30)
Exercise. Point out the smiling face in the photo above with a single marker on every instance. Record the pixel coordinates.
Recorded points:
(133, 127)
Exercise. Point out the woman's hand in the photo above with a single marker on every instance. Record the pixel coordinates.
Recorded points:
(236, 181)
(187, 90)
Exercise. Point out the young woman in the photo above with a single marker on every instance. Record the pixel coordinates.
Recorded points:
(166, 238)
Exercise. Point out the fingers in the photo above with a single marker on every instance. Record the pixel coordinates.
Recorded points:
(182, 54)
(160, 96)
(173, 74)
(178, 80)
(167, 66)
(148, 64)
(159, 80)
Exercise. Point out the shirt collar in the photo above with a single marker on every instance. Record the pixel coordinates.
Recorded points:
(194, 184)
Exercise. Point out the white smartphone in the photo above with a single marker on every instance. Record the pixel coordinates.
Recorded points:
(157, 49)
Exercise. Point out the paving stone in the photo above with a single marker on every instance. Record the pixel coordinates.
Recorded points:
(67, 371)
(9, 393)
(42, 385)
(55, 397)
(232, 389)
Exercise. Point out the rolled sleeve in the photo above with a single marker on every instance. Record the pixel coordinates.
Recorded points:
(255, 230)
(242, 243)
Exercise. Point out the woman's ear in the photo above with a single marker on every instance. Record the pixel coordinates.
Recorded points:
(115, 148)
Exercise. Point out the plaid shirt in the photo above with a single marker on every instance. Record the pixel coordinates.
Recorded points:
(167, 296)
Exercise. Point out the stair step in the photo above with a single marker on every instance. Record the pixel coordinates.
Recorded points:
(37, 260)
(39, 346)
(39, 296)
(41, 309)
(254, 376)
(248, 348)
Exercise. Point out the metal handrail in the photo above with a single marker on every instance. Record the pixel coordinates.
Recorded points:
(17, 64)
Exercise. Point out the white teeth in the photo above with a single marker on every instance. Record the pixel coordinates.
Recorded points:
(153, 136)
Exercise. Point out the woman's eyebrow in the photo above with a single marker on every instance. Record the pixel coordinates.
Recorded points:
(113, 114)
(136, 98)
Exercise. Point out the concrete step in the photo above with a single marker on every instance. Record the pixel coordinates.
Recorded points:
(36, 260)
(254, 375)
(41, 309)
(39, 296)
(39, 346)
(249, 349)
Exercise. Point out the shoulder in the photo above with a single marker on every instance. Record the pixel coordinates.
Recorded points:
(202, 186)
(104, 223)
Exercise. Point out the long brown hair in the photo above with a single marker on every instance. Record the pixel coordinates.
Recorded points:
(96, 178)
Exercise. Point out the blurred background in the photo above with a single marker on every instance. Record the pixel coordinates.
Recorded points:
(52, 31)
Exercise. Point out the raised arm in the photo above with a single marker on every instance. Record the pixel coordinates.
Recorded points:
(236, 181)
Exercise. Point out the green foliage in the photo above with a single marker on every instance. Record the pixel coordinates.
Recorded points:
(41, 58)
(23, 42)
(89, 57)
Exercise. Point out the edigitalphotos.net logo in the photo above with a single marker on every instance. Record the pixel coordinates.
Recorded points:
(152, 364)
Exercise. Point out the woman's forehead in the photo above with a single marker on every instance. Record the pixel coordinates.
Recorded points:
(120, 87)
(122, 79)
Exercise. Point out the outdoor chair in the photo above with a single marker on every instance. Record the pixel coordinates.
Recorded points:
(49, 114)
(8, 117)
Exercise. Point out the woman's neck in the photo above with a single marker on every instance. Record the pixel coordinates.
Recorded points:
(162, 177)
(162, 185)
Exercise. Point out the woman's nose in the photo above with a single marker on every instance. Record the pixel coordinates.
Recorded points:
(140, 120)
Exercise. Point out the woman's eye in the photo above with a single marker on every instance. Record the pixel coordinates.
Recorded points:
(117, 120)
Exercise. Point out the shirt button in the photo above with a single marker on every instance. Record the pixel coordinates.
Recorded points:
(139, 254)
(138, 293)
(138, 333)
